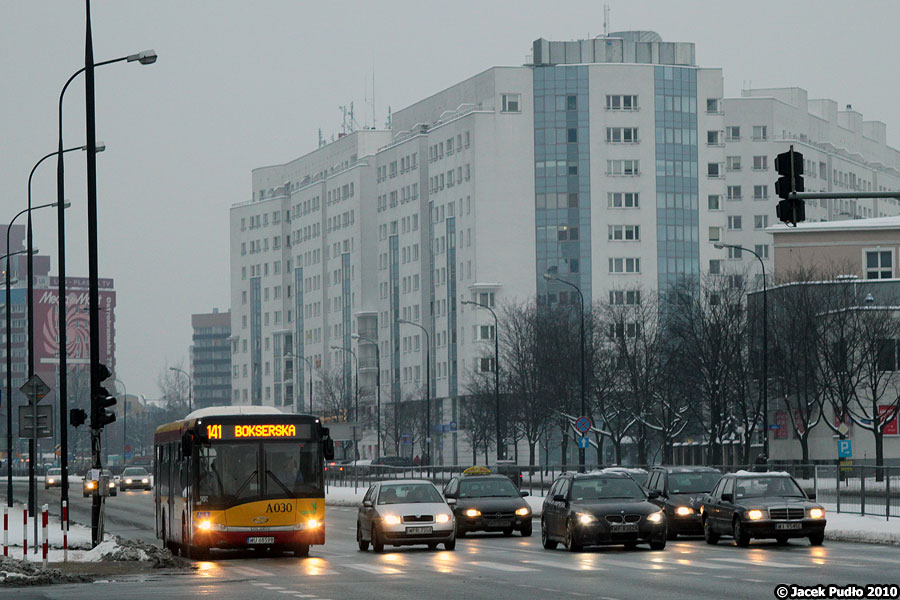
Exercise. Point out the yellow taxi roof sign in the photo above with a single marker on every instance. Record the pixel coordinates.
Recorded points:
(477, 470)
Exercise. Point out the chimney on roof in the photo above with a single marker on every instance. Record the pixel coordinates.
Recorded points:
(849, 107)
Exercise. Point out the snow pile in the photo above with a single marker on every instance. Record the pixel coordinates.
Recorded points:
(115, 549)
(855, 528)
(20, 572)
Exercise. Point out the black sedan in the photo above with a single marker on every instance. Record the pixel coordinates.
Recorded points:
(488, 503)
(599, 509)
(748, 505)
(681, 491)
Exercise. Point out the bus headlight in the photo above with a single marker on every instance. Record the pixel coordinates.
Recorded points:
(656, 517)
(683, 511)
(312, 524)
(204, 525)
(473, 512)
(755, 515)
(522, 512)
(816, 513)
(391, 520)
(442, 518)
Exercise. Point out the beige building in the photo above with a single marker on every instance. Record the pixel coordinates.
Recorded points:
(867, 248)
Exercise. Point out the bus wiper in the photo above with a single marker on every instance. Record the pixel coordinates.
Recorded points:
(237, 494)
(281, 485)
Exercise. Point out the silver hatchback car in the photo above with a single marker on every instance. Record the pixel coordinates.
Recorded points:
(403, 513)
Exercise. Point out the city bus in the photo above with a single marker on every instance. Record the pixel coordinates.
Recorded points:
(241, 477)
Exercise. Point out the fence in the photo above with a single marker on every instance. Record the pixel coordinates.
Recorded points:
(861, 490)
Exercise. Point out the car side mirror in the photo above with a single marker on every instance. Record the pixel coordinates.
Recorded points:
(559, 498)
(367, 504)
(328, 448)
(187, 444)
(524, 494)
(451, 501)
(653, 494)
(811, 494)
(726, 497)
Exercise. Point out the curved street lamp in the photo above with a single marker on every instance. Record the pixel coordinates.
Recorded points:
(190, 388)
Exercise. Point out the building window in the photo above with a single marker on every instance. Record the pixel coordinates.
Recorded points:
(624, 265)
(715, 234)
(715, 267)
(713, 138)
(760, 221)
(712, 105)
(713, 170)
(572, 135)
(624, 232)
(626, 297)
(735, 253)
(714, 202)
(622, 135)
(734, 223)
(733, 163)
(732, 133)
(619, 102)
(734, 192)
(760, 163)
(760, 132)
(760, 192)
(511, 103)
(622, 167)
(572, 102)
(623, 199)
(762, 250)
(879, 264)
(486, 365)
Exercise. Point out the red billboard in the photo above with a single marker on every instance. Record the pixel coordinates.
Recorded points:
(888, 415)
(46, 324)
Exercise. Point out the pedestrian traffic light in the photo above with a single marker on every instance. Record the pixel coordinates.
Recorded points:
(101, 399)
(77, 417)
(789, 166)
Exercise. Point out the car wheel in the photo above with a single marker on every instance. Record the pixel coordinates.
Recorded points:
(301, 549)
(817, 539)
(526, 530)
(710, 536)
(377, 542)
(545, 538)
(781, 540)
(508, 532)
(450, 544)
(572, 542)
(741, 535)
(659, 544)
(460, 532)
(363, 544)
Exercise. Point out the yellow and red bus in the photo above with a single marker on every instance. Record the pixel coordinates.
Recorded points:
(241, 477)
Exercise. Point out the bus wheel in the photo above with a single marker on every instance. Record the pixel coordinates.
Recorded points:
(301, 549)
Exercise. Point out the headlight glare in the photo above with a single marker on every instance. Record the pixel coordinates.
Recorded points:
(204, 525)
(145, 481)
(523, 512)
(656, 517)
(585, 518)
(442, 518)
(51, 480)
(816, 513)
(473, 512)
(683, 511)
(755, 515)
(391, 519)
(128, 481)
(312, 524)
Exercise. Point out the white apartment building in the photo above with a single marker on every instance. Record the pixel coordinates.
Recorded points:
(841, 152)
(614, 161)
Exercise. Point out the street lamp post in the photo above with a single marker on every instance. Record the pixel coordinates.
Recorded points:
(427, 456)
(500, 452)
(765, 356)
(146, 57)
(356, 397)
(309, 370)
(190, 388)
(551, 277)
(366, 340)
(9, 391)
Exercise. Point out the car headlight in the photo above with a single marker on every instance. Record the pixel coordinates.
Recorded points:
(128, 481)
(523, 512)
(817, 513)
(683, 511)
(656, 517)
(585, 518)
(50, 480)
(392, 519)
(755, 515)
(90, 485)
(112, 484)
(145, 481)
(473, 512)
(442, 518)
(204, 525)
(312, 524)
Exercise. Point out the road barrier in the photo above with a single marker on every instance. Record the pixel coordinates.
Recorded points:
(45, 513)
(24, 533)
(5, 531)
(64, 523)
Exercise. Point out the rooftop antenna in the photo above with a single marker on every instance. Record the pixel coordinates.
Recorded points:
(373, 94)
(605, 20)
(321, 139)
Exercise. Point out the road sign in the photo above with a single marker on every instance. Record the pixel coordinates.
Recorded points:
(845, 449)
(44, 415)
(127, 455)
(452, 426)
(583, 442)
(127, 447)
(35, 389)
(582, 425)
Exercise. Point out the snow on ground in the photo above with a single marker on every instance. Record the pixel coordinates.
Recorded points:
(841, 527)
(79, 535)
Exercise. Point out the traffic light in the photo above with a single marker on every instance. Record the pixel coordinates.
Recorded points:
(77, 417)
(789, 166)
(101, 399)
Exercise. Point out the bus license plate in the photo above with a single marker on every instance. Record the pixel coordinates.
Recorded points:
(788, 525)
(627, 528)
(414, 530)
(261, 540)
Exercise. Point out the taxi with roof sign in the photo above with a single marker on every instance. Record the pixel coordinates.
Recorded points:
(488, 502)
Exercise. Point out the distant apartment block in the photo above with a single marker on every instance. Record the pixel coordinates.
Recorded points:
(211, 359)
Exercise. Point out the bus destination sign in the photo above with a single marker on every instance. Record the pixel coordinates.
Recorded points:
(246, 431)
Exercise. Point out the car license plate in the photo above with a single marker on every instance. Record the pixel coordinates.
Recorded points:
(261, 540)
(414, 530)
(788, 525)
(497, 523)
(626, 528)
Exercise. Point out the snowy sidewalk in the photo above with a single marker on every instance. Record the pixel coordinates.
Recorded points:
(841, 527)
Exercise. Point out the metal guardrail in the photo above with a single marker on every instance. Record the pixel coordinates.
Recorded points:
(856, 489)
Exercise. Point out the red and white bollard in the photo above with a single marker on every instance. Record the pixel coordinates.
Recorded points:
(5, 531)
(24, 533)
(65, 530)
(45, 515)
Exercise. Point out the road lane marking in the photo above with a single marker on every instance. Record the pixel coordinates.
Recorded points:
(633, 565)
(760, 563)
(501, 566)
(273, 587)
(251, 571)
(569, 566)
(378, 570)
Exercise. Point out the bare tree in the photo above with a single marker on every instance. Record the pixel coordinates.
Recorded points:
(336, 397)
(175, 389)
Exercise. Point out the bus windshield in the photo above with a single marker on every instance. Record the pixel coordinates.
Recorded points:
(230, 474)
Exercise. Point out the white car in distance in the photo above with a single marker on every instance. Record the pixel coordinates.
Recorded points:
(403, 513)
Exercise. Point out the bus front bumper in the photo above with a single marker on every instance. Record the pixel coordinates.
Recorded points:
(244, 539)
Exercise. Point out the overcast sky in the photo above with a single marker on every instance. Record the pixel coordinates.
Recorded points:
(244, 84)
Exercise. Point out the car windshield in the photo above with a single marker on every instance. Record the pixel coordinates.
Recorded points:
(134, 472)
(487, 488)
(759, 487)
(408, 493)
(54, 472)
(606, 488)
(692, 483)
(230, 474)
